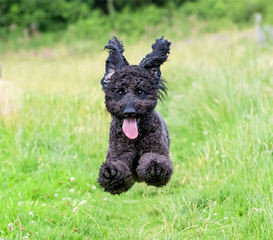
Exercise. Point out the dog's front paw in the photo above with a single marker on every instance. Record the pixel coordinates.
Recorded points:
(154, 169)
(115, 177)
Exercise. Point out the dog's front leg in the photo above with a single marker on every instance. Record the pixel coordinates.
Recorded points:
(115, 174)
(154, 169)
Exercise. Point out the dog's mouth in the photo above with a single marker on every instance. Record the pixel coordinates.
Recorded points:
(129, 127)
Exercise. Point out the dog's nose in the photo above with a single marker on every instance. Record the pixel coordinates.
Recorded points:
(129, 112)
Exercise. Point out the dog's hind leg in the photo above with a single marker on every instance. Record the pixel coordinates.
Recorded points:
(154, 169)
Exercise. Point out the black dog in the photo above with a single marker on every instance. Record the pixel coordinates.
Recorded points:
(139, 140)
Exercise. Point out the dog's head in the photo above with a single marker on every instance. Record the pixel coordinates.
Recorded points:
(132, 91)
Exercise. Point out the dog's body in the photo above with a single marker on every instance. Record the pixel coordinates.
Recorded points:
(139, 140)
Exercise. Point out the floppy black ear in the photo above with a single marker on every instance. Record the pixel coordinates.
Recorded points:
(153, 60)
(115, 60)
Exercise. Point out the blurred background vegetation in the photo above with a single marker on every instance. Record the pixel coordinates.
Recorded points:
(54, 125)
(42, 22)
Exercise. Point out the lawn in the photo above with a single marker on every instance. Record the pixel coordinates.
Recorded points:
(219, 111)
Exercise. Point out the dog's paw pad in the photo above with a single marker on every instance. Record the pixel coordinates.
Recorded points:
(157, 175)
(112, 175)
(109, 173)
(155, 171)
(115, 178)
(106, 174)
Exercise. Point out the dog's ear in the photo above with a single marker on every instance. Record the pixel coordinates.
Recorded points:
(115, 60)
(153, 60)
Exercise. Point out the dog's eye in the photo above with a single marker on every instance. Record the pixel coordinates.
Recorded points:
(120, 92)
(140, 92)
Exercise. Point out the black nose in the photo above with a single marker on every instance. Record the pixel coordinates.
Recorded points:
(129, 112)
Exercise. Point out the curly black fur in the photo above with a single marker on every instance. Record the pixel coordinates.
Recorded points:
(115, 59)
(131, 92)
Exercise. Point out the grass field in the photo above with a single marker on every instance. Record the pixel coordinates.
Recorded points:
(219, 111)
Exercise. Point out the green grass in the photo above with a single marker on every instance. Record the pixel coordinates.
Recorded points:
(219, 112)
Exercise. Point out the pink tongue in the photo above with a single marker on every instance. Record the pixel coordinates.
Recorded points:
(129, 127)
